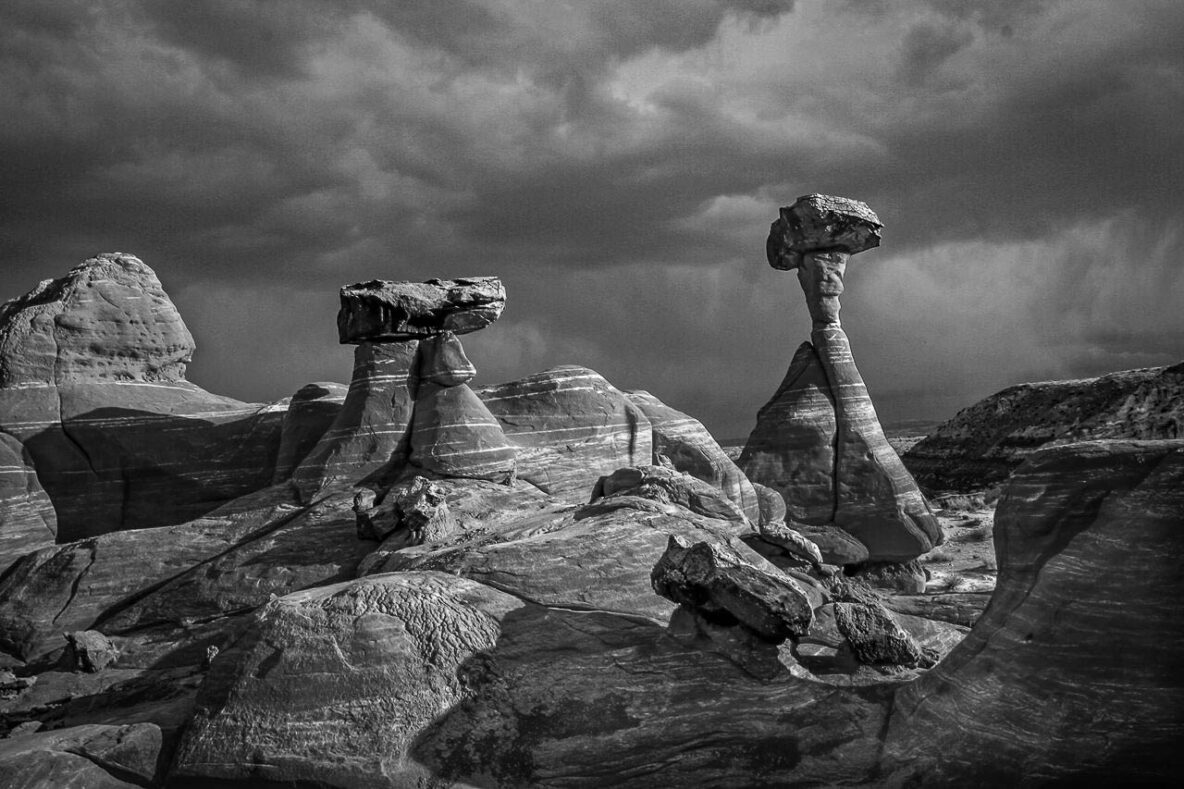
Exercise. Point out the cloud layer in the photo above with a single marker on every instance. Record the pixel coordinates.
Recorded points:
(617, 163)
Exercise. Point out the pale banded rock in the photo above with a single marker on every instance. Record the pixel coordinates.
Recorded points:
(692, 449)
(792, 448)
(442, 361)
(27, 517)
(455, 435)
(667, 486)
(311, 412)
(92, 382)
(985, 442)
(381, 311)
(877, 500)
(569, 427)
(373, 428)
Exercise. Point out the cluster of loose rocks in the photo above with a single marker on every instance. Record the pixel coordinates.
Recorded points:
(544, 582)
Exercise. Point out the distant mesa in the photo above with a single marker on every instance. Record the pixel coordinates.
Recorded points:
(983, 443)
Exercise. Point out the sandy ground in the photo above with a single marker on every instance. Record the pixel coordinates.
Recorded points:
(965, 562)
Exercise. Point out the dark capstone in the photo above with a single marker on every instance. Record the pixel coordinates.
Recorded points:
(381, 311)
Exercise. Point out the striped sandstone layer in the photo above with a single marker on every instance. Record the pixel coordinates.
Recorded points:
(569, 427)
(27, 517)
(818, 442)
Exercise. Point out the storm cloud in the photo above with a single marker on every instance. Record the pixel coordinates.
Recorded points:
(617, 163)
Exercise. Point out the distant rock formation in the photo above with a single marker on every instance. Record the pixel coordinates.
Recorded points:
(984, 443)
(818, 441)
(92, 384)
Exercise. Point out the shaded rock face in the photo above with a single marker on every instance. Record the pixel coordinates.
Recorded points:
(311, 412)
(1072, 671)
(690, 448)
(108, 319)
(92, 370)
(96, 755)
(373, 427)
(380, 311)
(27, 517)
(569, 427)
(984, 443)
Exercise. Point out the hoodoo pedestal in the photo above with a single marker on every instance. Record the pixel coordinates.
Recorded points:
(818, 441)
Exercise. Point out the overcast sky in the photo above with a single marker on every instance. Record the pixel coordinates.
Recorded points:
(617, 163)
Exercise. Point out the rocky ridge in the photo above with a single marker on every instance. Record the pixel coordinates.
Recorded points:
(985, 442)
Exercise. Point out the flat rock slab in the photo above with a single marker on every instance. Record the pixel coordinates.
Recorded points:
(382, 311)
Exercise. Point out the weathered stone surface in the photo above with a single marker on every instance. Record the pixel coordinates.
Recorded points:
(835, 545)
(692, 449)
(108, 319)
(514, 694)
(570, 427)
(772, 505)
(90, 650)
(454, 434)
(821, 222)
(667, 486)
(903, 577)
(442, 361)
(65, 588)
(793, 542)
(717, 582)
(416, 505)
(982, 444)
(791, 449)
(1088, 541)
(92, 383)
(27, 517)
(875, 637)
(83, 757)
(373, 428)
(380, 311)
(959, 608)
(311, 412)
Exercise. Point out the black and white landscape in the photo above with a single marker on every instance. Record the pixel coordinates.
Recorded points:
(498, 445)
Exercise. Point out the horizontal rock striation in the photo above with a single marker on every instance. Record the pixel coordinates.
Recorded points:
(984, 443)
(27, 517)
(569, 427)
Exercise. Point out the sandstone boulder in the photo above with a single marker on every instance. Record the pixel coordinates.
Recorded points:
(82, 757)
(667, 486)
(380, 311)
(718, 583)
(876, 638)
(820, 222)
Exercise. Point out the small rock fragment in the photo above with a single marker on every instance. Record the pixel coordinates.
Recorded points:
(876, 638)
(90, 650)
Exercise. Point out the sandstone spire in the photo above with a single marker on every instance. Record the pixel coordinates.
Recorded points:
(818, 441)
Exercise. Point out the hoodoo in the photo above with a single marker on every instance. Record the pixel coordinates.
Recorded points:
(818, 441)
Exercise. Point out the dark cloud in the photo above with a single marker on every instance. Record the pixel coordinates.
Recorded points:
(618, 164)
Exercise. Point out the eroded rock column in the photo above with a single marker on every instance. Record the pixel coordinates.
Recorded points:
(408, 362)
(818, 441)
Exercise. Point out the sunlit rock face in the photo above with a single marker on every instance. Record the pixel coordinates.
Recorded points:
(818, 441)
(92, 383)
(382, 311)
(985, 442)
